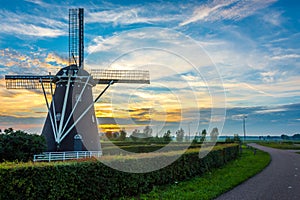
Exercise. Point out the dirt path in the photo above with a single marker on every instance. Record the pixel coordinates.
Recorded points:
(279, 181)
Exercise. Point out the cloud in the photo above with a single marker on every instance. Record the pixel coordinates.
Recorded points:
(12, 102)
(140, 13)
(38, 2)
(51, 57)
(121, 16)
(270, 111)
(274, 17)
(30, 30)
(217, 10)
(30, 62)
(269, 76)
(286, 56)
(24, 24)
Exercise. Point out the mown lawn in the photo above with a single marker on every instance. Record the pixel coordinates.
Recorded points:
(214, 183)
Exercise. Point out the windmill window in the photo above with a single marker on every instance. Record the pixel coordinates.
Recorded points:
(58, 116)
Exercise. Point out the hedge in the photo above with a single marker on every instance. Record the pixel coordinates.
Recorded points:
(110, 149)
(95, 180)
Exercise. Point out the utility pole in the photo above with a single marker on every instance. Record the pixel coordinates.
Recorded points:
(189, 131)
(244, 127)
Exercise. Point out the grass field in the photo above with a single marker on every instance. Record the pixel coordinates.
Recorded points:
(214, 183)
(281, 145)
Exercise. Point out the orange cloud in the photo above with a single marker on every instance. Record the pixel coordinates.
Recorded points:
(51, 57)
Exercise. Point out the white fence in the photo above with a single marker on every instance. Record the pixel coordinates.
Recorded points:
(67, 155)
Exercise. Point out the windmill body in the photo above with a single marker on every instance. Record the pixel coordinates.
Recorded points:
(71, 123)
(72, 97)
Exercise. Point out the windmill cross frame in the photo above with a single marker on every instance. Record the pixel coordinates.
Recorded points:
(69, 117)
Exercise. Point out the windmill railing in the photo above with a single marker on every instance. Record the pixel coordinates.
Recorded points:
(67, 155)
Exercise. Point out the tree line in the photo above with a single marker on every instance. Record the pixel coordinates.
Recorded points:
(147, 135)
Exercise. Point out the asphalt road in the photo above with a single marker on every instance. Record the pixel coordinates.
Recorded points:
(279, 181)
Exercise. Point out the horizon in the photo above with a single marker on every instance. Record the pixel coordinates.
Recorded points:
(211, 62)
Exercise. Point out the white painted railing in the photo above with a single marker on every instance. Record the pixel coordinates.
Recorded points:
(67, 155)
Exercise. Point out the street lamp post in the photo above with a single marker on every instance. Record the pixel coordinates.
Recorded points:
(244, 127)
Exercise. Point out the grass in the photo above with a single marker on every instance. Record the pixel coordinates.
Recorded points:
(214, 183)
(280, 145)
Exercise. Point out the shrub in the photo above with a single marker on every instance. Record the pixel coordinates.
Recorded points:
(95, 180)
(19, 145)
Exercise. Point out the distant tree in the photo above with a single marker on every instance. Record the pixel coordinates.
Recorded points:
(236, 138)
(203, 135)
(179, 135)
(109, 134)
(9, 130)
(228, 140)
(115, 135)
(122, 135)
(135, 134)
(296, 136)
(195, 140)
(19, 145)
(214, 134)
(167, 136)
(148, 131)
(284, 137)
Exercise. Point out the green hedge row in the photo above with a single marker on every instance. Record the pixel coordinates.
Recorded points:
(110, 149)
(94, 180)
(115, 150)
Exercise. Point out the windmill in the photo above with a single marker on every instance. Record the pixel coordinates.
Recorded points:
(71, 123)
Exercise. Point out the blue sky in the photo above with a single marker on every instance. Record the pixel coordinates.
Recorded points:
(204, 58)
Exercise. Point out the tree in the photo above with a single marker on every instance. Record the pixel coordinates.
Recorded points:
(179, 135)
(148, 131)
(167, 136)
(236, 138)
(115, 135)
(214, 134)
(122, 135)
(195, 140)
(19, 145)
(109, 134)
(203, 135)
(284, 137)
(296, 136)
(135, 134)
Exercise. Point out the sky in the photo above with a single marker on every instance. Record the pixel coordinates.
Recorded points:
(211, 62)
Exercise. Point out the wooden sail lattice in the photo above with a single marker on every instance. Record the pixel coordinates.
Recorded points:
(105, 76)
(27, 81)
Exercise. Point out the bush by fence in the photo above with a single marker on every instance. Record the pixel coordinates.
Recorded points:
(94, 180)
(19, 145)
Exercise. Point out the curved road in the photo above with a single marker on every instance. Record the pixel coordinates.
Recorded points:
(279, 181)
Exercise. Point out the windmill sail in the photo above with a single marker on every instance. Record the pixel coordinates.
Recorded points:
(76, 41)
(105, 76)
(28, 81)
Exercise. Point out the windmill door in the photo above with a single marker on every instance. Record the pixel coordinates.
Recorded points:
(77, 142)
